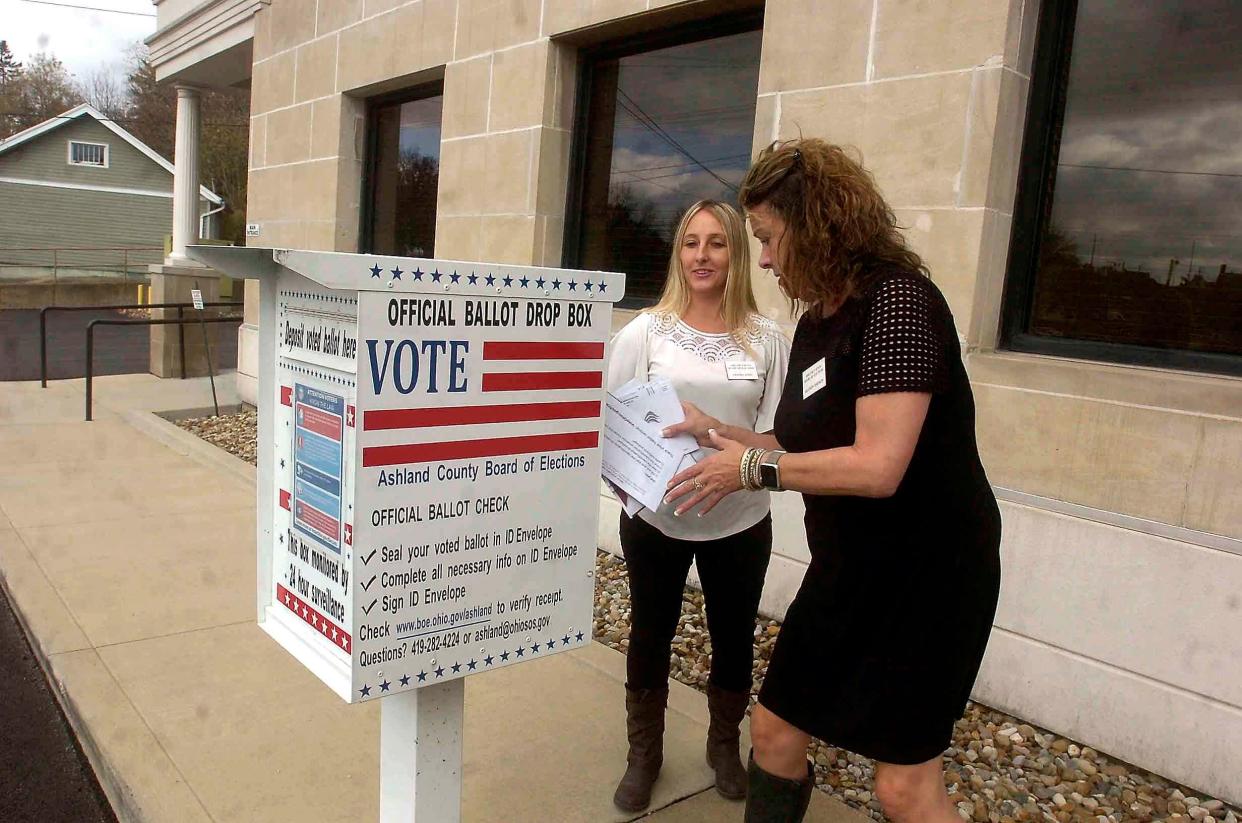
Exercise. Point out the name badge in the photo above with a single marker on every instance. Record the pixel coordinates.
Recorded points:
(741, 370)
(814, 378)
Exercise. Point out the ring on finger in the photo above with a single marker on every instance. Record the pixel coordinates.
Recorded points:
(698, 484)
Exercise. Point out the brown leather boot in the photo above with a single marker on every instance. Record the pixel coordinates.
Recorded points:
(726, 710)
(644, 723)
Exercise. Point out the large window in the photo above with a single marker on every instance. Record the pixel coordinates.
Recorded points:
(1128, 227)
(403, 172)
(662, 123)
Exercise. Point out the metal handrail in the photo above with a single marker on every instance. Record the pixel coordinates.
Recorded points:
(81, 248)
(90, 342)
(118, 259)
(178, 306)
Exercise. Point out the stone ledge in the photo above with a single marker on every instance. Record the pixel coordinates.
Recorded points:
(1174, 390)
(210, 456)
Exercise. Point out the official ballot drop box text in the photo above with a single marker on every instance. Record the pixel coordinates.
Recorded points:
(429, 461)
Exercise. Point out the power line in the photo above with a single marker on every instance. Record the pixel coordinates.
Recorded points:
(88, 8)
(641, 116)
(656, 177)
(743, 65)
(680, 165)
(663, 186)
(688, 169)
(739, 114)
(1154, 233)
(1152, 171)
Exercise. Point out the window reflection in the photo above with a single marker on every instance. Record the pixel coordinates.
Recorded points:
(665, 128)
(1143, 241)
(404, 178)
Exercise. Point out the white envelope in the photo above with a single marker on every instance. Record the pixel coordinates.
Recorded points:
(637, 459)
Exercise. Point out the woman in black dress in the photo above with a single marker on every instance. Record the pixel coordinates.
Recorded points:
(883, 642)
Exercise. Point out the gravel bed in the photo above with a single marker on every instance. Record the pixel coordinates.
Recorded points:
(236, 433)
(1000, 769)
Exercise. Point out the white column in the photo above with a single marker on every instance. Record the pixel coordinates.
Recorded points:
(185, 175)
(420, 754)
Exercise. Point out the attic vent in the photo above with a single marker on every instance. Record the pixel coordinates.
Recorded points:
(88, 154)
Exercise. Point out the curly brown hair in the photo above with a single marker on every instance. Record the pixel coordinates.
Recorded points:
(840, 234)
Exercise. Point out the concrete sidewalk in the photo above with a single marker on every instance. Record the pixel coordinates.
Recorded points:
(127, 548)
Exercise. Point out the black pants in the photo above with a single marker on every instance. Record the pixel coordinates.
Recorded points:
(731, 570)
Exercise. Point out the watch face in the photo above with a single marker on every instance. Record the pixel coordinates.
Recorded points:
(768, 476)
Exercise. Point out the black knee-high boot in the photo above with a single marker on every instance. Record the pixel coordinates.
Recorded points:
(772, 799)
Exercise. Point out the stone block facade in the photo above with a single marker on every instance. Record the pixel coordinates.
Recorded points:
(1115, 480)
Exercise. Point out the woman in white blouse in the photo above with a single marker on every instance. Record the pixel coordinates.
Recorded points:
(707, 338)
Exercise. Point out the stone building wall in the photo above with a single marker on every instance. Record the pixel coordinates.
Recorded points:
(1119, 485)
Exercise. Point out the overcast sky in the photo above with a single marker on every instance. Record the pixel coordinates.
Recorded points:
(83, 40)
(703, 96)
(1151, 158)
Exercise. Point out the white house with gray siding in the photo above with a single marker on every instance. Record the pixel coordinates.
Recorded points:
(80, 181)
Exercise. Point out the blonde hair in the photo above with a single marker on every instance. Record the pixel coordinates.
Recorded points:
(739, 306)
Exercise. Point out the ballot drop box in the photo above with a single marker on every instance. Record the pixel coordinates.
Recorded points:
(428, 482)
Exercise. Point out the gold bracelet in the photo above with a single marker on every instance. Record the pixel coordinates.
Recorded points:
(743, 469)
(750, 468)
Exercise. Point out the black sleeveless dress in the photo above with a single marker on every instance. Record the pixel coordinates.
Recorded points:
(883, 642)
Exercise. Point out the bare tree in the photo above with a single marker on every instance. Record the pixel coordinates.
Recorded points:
(151, 116)
(103, 91)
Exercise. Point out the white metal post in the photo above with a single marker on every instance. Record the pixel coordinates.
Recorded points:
(420, 754)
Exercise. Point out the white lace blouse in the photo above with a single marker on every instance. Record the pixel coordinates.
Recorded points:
(695, 363)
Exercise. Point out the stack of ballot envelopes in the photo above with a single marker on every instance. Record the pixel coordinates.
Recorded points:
(638, 460)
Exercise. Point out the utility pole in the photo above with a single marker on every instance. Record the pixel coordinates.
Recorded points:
(1173, 261)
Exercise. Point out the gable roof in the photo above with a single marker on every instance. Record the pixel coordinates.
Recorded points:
(87, 110)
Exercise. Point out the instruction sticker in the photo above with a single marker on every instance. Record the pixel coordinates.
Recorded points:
(317, 457)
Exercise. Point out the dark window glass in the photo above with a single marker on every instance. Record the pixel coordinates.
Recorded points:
(1139, 215)
(88, 154)
(404, 173)
(663, 128)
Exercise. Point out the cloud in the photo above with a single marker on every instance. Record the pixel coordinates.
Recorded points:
(84, 41)
(697, 96)
(1150, 164)
(669, 183)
